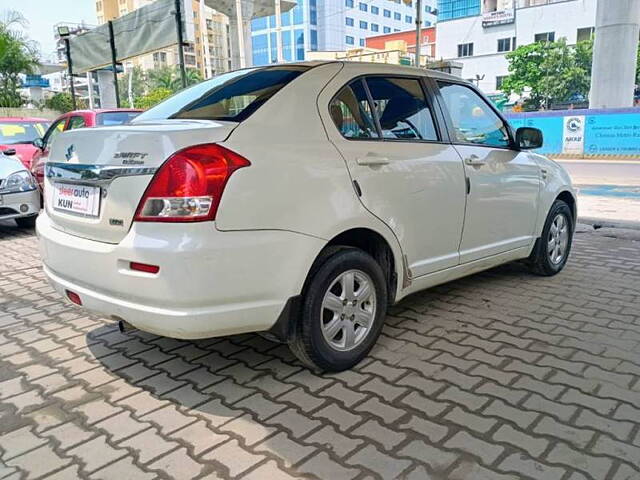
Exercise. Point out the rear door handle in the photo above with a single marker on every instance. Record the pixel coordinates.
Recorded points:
(372, 160)
(474, 161)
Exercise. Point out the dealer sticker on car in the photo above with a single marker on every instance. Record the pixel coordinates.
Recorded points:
(78, 199)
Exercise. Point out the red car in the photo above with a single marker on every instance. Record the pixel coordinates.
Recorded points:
(19, 133)
(71, 121)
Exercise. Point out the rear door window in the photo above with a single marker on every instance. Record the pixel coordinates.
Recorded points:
(232, 96)
(115, 118)
(351, 112)
(402, 108)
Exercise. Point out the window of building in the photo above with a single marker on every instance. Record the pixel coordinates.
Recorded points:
(363, 25)
(585, 34)
(397, 16)
(387, 13)
(451, 9)
(364, 7)
(298, 36)
(348, 3)
(402, 109)
(499, 80)
(544, 37)
(375, 10)
(386, 30)
(351, 112)
(396, 29)
(506, 44)
(362, 42)
(375, 27)
(465, 50)
(98, 6)
(408, 19)
(349, 40)
(474, 121)
(348, 21)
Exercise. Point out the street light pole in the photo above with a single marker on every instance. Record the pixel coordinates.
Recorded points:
(114, 64)
(418, 31)
(183, 73)
(70, 70)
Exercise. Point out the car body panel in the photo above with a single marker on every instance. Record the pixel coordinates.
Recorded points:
(99, 149)
(64, 121)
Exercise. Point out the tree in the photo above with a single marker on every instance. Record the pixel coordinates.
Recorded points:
(62, 102)
(170, 78)
(18, 55)
(152, 98)
(550, 72)
(138, 86)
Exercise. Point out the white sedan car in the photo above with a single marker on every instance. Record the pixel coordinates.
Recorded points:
(19, 195)
(299, 200)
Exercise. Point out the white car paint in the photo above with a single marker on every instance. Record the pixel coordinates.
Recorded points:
(237, 273)
(14, 203)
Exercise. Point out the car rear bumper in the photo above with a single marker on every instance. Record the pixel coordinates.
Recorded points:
(21, 204)
(210, 283)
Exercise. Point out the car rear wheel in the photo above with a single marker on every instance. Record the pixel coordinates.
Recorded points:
(26, 222)
(551, 250)
(343, 308)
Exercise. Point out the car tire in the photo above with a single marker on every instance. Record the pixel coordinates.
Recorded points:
(26, 222)
(343, 308)
(552, 249)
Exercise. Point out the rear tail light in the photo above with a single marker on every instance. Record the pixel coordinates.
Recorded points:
(189, 185)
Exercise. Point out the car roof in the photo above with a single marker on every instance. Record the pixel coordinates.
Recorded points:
(373, 67)
(23, 119)
(104, 110)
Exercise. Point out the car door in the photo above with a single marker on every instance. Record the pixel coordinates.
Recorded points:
(39, 159)
(407, 174)
(503, 182)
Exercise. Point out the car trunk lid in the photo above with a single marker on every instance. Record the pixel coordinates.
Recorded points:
(96, 177)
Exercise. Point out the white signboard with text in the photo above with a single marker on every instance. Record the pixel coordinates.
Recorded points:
(573, 135)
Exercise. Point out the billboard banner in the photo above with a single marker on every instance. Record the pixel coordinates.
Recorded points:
(144, 30)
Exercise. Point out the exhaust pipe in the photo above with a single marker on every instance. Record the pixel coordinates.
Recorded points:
(125, 327)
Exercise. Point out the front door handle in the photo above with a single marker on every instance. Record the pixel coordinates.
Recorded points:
(372, 160)
(474, 161)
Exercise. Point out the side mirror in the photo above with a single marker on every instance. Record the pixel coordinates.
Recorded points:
(528, 138)
(9, 151)
(39, 143)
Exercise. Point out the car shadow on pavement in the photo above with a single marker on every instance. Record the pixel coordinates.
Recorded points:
(234, 401)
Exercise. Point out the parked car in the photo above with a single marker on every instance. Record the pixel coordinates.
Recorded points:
(71, 121)
(17, 135)
(299, 200)
(19, 196)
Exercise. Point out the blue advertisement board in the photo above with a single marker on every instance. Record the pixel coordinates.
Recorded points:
(587, 131)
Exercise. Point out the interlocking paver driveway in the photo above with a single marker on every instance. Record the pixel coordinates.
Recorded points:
(499, 376)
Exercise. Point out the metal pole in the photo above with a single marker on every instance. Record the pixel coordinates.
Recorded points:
(239, 22)
(114, 63)
(70, 70)
(183, 72)
(418, 30)
(90, 89)
(279, 52)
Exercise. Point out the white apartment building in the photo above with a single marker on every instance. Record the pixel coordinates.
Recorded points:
(481, 40)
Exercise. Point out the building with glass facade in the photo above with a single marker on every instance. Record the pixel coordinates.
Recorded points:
(332, 25)
(450, 9)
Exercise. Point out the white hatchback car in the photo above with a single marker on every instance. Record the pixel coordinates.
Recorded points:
(299, 200)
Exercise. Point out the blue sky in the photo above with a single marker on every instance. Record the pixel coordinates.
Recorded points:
(43, 14)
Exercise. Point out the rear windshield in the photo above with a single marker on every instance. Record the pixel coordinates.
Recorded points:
(115, 118)
(21, 132)
(231, 96)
